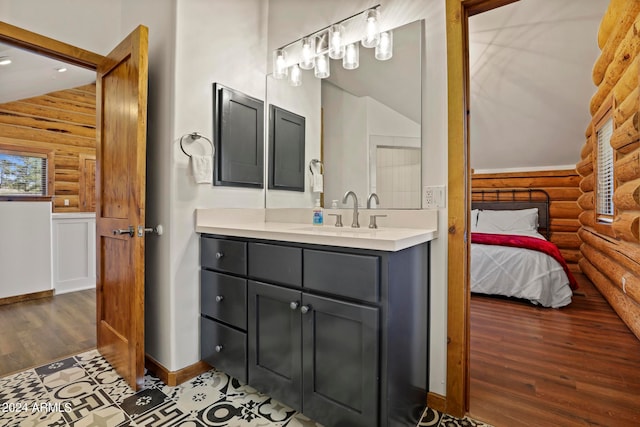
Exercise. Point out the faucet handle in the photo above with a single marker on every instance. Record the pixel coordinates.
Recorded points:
(338, 219)
(372, 220)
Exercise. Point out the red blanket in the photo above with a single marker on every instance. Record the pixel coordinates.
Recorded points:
(526, 242)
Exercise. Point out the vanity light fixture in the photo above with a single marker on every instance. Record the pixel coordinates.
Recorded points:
(295, 75)
(372, 32)
(308, 52)
(336, 47)
(280, 64)
(336, 41)
(5, 60)
(323, 69)
(351, 59)
(384, 49)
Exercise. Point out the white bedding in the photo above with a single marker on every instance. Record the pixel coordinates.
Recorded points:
(520, 273)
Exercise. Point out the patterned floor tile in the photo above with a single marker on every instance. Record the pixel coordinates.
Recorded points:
(82, 404)
(227, 413)
(193, 396)
(167, 414)
(429, 418)
(449, 421)
(42, 419)
(151, 381)
(275, 411)
(299, 420)
(22, 387)
(65, 377)
(56, 366)
(110, 416)
(143, 401)
(118, 390)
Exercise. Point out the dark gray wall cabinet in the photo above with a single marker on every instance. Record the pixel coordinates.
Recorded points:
(339, 334)
(286, 150)
(238, 125)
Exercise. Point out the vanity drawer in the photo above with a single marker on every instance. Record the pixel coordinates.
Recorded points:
(224, 348)
(275, 263)
(223, 255)
(224, 298)
(349, 275)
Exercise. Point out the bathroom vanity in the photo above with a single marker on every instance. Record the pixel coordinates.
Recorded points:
(332, 323)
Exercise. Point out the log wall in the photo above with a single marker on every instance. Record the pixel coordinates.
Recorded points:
(611, 252)
(63, 122)
(562, 186)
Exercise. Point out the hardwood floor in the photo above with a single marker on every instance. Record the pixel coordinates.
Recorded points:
(38, 331)
(574, 366)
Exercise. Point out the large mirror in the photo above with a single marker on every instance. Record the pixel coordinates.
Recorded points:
(365, 126)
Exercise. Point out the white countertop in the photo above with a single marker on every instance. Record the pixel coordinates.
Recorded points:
(384, 239)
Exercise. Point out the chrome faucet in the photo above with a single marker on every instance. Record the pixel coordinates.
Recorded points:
(372, 196)
(354, 223)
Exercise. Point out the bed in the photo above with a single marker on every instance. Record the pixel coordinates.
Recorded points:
(511, 255)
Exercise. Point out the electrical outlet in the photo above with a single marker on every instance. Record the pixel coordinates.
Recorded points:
(66, 202)
(434, 196)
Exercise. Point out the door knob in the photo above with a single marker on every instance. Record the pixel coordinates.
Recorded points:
(158, 229)
(218, 348)
(219, 298)
(219, 255)
(130, 231)
(305, 309)
(293, 305)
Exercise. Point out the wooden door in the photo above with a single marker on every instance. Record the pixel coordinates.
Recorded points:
(121, 101)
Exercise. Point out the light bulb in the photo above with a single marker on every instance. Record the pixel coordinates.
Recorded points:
(280, 64)
(322, 66)
(384, 50)
(351, 59)
(336, 48)
(372, 32)
(295, 75)
(308, 52)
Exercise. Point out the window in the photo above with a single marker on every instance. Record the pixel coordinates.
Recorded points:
(604, 175)
(23, 173)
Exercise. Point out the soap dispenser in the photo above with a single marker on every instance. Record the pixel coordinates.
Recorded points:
(318, 217)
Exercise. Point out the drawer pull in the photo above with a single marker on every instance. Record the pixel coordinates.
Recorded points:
(219, 298)
(219, 255)
(218, 348)
(305, 309)
(294, 305)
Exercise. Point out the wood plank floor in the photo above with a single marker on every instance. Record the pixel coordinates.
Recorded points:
(574, 366)
(38, 331)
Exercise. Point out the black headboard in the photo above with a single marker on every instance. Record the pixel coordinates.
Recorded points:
(515, 198)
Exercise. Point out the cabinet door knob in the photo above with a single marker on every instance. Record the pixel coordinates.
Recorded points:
(219, 298)
(293, 305)
(305, 309)
(219, 255)
(218, 348)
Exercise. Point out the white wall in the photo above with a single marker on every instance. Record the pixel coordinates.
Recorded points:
(223, 42)
(73, 251)
(25, 248)
(290, 19)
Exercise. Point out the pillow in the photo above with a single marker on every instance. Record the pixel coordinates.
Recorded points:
(507, 221)
(474, 219)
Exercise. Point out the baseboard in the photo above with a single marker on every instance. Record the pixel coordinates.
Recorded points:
(174, 378)
(437, 402)
(26, 297)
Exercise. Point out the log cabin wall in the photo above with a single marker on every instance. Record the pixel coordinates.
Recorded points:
(65, 123)
(562, 186)
(612, 251)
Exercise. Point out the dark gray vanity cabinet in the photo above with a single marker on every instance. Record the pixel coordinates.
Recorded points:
(318, 355)
(339, 334)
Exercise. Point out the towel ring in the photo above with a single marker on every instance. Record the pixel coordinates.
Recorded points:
(194, 136)
(316, 162)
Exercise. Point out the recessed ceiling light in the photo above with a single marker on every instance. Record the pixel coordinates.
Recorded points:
(61, 69)
(5, 60)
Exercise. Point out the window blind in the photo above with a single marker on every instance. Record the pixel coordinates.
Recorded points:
(604, 196)
(22, 174)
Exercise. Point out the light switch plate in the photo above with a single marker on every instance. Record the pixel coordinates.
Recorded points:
(434, 196)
